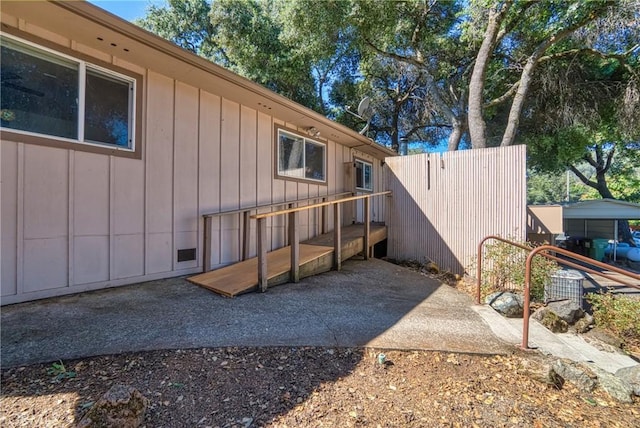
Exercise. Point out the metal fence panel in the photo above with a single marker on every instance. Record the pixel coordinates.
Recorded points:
(444, 204)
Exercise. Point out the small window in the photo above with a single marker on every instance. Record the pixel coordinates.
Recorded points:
(364, 175)
(300, 157)
(50, 94)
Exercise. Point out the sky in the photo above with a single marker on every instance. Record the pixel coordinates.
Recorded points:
(126, 9)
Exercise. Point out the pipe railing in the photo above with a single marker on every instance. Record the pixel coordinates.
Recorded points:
(545, 251)
(245, 228)
(527, 278)
(295, 236)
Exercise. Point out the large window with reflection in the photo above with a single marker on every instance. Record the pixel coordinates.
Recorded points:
(49, 94)
(300, 157)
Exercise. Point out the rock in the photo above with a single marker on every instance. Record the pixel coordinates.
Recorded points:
(120, 407)
(599, 335)
(616, 387)
(547, 376)
(584, 324)
(550, 320)
(508, 304)
(631, 375)
(432, 267)
(578, 376)
(567, 310)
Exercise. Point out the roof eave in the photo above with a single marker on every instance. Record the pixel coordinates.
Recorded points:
(93, 13)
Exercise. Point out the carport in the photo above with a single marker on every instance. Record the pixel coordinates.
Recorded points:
(598, 218)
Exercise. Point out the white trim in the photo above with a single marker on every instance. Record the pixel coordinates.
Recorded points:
(82, 104)
(364, 164)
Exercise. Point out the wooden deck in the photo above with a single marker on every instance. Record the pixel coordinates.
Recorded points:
(316, 256)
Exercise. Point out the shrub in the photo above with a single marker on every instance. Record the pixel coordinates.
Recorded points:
(617, 313)
(503, 269)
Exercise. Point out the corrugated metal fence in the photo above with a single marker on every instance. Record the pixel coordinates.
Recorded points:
(443, 205)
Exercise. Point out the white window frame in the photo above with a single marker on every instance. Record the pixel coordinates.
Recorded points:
(304, 141)
(365, 164)
(83, 66)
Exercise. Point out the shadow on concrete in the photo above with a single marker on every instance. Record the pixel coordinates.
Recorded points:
(367, 304)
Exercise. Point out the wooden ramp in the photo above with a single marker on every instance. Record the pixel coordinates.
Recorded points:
(243, 276)
(316, 256)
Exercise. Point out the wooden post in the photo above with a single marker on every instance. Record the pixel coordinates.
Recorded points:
(367, 229)
(325, 217)
(262, 254)
(246, 225)
(294, 237)
(337, 232)
(206, 251)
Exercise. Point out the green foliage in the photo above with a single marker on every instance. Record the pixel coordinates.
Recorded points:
(503, 268)
(617, 313)
(414, 58)
(545, 188)
(59, 372)
(185, 23)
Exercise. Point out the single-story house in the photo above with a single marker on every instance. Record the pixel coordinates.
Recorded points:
(116, 142)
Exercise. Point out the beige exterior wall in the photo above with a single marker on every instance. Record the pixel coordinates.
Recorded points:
(75, 221)
(544, 219)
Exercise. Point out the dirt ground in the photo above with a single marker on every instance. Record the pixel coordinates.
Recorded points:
(311, 387)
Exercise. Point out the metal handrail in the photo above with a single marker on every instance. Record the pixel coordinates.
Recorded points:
(527, 279)
(551, 257)
(294, 235)
(544, 251)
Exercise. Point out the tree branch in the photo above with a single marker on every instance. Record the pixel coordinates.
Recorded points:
(394, 55)
(504, 97)
(609, 160)
(622, 58)
(587, 158)
(582, 177)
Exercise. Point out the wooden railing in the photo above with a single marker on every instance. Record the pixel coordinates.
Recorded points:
(294, 235)
(246, 216)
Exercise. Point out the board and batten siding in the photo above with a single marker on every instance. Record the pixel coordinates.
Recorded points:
(74, 221)
(444, 205)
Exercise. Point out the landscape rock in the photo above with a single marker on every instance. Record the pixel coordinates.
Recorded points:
(631, 375)
(578, 376)
(550, 320)
(510, 305)
(567, 310)
(598, 336)
(120, 407)
(584, 324)
(616, 387)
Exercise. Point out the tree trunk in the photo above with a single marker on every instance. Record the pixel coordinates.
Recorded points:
(523, 87)
(477, 125)
(457, 129)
